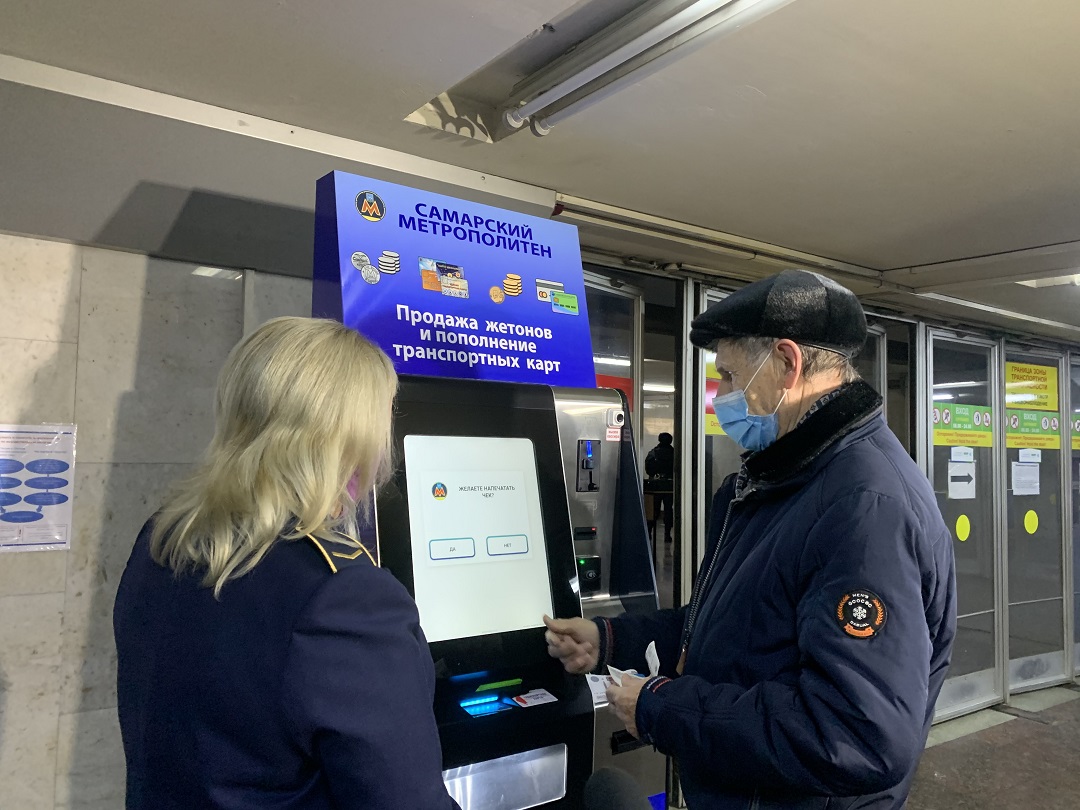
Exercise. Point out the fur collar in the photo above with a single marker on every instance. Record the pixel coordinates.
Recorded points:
(791, 454)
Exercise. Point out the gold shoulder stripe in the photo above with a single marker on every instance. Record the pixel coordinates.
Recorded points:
(355, 554)
(322, 550)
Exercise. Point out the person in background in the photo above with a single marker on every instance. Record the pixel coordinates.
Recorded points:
(660, 465)
(264, 660)
(804, 672)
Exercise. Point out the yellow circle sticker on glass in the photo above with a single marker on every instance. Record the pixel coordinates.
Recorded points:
(1031, 522)
(963, 528)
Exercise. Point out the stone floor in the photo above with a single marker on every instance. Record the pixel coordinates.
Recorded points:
(1024, 755)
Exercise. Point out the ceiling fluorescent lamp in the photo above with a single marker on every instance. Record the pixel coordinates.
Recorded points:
(611, 361)
(1056, 281)
(701, 22)
(656, 388)
(626, 28)
(216, 272)
(964, 384)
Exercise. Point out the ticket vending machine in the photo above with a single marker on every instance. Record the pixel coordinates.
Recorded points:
(611, 541)
(491, 522)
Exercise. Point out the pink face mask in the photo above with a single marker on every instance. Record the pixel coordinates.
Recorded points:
(353, 487)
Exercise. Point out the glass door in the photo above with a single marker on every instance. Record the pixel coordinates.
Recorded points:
(964, 467)
(903, 365)
(615, 323)
(870, 362)
(720, 456)
(1035, 518)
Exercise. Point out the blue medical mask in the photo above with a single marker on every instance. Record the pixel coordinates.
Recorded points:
(750, 431)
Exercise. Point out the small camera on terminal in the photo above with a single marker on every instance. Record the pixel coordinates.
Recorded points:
(616, 418)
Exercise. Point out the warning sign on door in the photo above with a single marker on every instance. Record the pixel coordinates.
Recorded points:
(1033, 429)
(1030, 387)
(962, 426)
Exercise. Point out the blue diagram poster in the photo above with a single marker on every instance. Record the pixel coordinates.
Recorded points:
(451, 288)
(37, 473)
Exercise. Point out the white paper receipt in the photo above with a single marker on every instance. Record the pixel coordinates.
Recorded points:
(651, 658)
(617, 675)
(537, 697)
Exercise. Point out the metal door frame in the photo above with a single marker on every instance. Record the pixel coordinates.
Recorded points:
(1064, 389)
(928, 337)
(1072, 360)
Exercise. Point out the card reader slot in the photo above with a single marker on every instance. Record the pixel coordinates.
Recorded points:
(622, 742)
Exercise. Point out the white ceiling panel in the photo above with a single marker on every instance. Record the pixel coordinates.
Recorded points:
(885, 133)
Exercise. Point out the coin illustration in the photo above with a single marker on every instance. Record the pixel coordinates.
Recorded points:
(359, 260)
(512, 284)
(497, 295)
(370, 274)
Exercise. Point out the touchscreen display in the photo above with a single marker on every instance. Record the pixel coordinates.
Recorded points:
(479, 557)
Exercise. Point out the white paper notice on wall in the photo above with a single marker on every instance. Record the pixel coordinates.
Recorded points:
(1025, 478)
(961, 480)
(962, 454)
(1030, 456)
(37, 475)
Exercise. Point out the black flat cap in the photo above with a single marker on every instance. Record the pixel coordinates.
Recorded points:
(795, 304)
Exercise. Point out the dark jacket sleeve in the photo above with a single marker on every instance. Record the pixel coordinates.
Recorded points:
(852, 719)
(623, 640)
(358, 689)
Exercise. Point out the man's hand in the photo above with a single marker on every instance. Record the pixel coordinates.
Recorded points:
(624, 700)
(575, 642)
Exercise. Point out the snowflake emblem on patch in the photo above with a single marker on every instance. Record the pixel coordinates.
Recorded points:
(861, 614)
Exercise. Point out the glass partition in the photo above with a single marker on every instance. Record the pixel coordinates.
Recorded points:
(614, 318)
(870, 362)
(962, 469)
(1034, 497)
(721, 456)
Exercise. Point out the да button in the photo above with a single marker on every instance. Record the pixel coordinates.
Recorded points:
(454, 548)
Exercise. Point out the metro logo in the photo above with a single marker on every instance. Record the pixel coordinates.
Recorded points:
(439, 492)
(370, 206)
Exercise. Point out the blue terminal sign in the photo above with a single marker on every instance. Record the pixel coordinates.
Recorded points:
(450, 288)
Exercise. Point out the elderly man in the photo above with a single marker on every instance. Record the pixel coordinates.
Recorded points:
(804, 671)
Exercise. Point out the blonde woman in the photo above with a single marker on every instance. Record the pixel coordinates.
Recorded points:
(264, 660)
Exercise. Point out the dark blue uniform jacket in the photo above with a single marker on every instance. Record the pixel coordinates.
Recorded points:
(308, 685)
(820, 630)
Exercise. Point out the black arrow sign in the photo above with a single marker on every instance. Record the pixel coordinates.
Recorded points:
(962, 479)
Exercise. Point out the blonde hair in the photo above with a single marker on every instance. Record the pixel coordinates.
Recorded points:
(302, 406)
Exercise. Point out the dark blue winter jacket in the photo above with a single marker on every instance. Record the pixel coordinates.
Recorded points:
(820, 629)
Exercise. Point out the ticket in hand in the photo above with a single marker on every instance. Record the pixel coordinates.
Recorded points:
(617, 675)
(650, 657)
